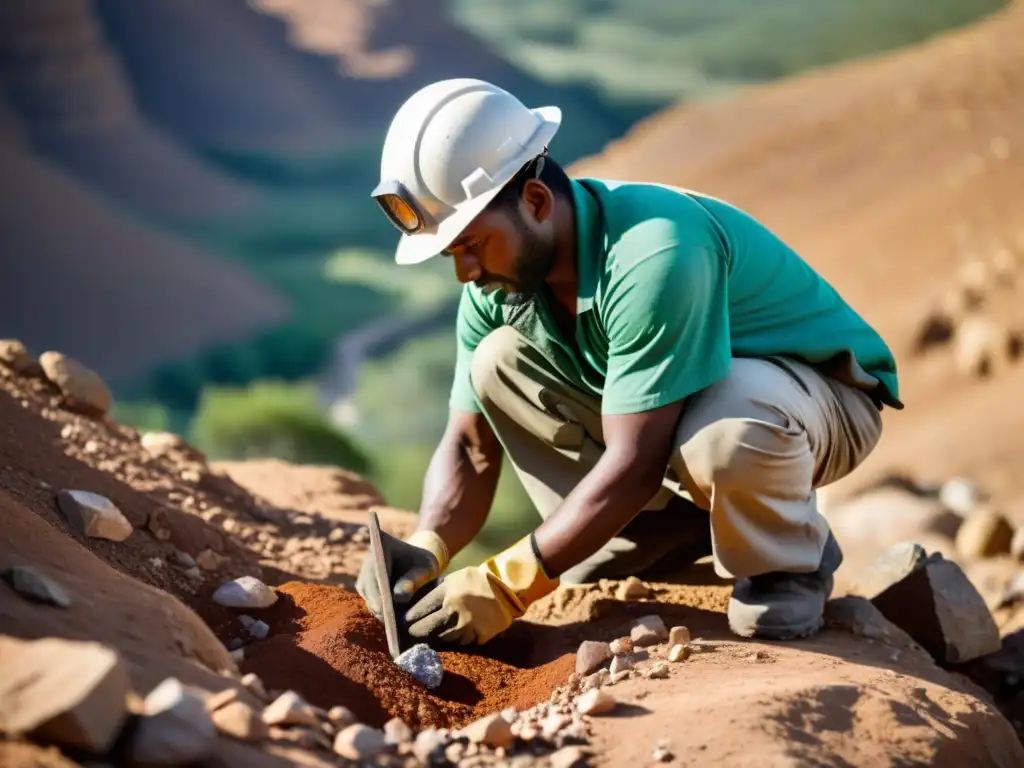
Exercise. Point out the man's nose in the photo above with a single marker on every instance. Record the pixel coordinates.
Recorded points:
(467, 268)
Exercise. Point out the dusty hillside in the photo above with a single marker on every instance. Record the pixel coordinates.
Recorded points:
(900, 179)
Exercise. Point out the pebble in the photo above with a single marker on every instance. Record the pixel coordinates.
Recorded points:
(427, 743)
(649, 630)
(396, 731)
(984, 533)
(510, 714)
(553, 724)
(359, 742)
(490, 730)
(259, 629)
(423, 663)
(679, 636)
(221, 699)
(160, 442)
(590, 655)
(289, 709)
(83, 389)
(245, 592)
(679, 652)
(892, 565)
(35, 585)
(662, 755)
(337, 535)
(618, 677)
(569, 757)
(237, 655)
(622, 645)
(254, 685)
(236, 644)
(15, 355)
(658, 671)
(1017, 543)
(596, 702)
(68, 693)
(633, 589)
(341, 716)
(596, 680)
(209, 560)
(620, 664)
(960, 495)
(239, 720)
(175, 728)
(93, 515)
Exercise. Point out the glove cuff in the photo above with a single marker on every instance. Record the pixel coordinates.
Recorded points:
(434, 544)
(519, 569)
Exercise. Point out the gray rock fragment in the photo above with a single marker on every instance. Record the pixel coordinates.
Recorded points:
(245, 592)
(423, 663)
(175, 729)
(894, 564)
(36, 586)
(259, 629)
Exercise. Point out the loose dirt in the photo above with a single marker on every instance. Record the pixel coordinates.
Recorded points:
(326, 645)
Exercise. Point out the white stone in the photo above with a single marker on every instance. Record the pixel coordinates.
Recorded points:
(649, 630)
(679, 636)
(679, 652)
(341, 716)
(426, 743)
(255, 686)
(82, 388)
(620, 664)
(239, 720)
(633, 589)
(245, 592)
(359, 742)
(596, 702)
(289, 709)
(591, 655)
(396, 731)
(175, 727)
(93, 515)
(490, 730)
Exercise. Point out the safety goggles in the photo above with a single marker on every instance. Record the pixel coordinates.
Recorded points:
(401, 208)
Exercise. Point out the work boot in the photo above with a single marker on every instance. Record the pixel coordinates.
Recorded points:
(784, 606)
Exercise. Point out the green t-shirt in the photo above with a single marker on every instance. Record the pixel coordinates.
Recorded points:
(672, 285)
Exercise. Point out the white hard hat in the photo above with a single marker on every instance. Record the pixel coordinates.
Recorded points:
(450, 149)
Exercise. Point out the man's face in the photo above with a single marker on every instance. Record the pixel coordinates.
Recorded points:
(506, 249)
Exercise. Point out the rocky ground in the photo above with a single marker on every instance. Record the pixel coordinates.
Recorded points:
(159, 609)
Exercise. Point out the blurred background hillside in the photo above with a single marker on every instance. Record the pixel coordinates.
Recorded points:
(186, 208)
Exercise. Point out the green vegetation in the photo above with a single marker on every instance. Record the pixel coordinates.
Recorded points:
(656, 49)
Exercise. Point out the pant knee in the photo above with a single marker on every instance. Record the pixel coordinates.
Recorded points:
(497, 350)
(749, 456)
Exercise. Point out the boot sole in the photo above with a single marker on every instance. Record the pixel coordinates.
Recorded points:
(781, 633)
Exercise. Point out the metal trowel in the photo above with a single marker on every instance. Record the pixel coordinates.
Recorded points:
(384, 585)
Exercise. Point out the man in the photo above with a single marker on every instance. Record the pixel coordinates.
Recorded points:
(654, 362)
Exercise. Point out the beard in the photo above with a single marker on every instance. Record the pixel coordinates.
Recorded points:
(532, 268)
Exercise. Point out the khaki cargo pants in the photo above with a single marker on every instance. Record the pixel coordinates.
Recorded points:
(750, 452)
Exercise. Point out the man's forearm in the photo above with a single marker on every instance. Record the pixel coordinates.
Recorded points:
(458, 489)
(611, 494)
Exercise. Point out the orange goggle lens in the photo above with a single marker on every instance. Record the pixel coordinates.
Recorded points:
(401, 211)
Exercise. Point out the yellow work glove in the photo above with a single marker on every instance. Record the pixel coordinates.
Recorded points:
(418, 560)
(474, 604)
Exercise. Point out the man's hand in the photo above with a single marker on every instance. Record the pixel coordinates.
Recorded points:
(474, 604)
(411, 564)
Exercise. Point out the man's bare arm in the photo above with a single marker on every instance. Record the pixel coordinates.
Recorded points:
(624, 479)
(459, 486)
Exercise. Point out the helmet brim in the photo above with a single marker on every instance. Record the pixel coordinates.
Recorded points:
(419, 247)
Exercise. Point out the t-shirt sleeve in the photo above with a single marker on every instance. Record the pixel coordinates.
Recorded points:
(475, 320)
(667, 322)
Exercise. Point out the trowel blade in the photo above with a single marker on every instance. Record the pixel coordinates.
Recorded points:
(384, 585)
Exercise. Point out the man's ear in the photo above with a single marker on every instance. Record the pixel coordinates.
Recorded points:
(538, 199)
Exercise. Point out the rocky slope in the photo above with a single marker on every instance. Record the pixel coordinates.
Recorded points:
(897, 177)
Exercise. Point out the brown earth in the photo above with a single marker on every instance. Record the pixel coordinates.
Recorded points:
(888, 175)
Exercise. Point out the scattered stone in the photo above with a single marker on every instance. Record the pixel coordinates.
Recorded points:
(35, 585)
(221, 699)
(341, 716)
(679, 652)
(245, 592)
(980, 346)
(649, 630)
(621, 645)
(569, 757)
(596, 680)
(209, 560)
(254, 685)
(69, 693)
(939, 607)
(259, 629)
(15, 355)
(755, 657)
(896, 563)
(553, 724)
(423, 663)
(93, 515)
(239, 720)
(289, 709)
(590, 655)
(657, 671)
(235, 644)
(960, 495)
(679, 636)
(510, 714)
(159, 443)
(175, 728)
(620, 664)
(596, 702)
(194, 574)
(336, 536)
(633, 589)
(237, 655)
(492, 731)
(618, 677)
(245, 620)
(984, 533)
(662, 755)
(396, 731)
(428, 743)
(83, 389)
(359, 742)
(1017, 544)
